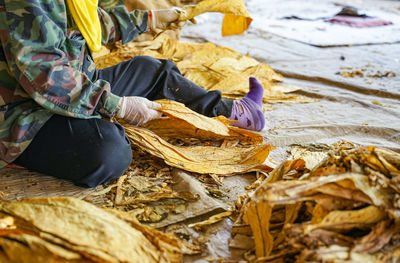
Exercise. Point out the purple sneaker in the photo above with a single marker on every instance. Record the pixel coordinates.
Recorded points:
(248, 111)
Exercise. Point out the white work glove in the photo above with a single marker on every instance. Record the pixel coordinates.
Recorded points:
(138, 110)
(165, 18)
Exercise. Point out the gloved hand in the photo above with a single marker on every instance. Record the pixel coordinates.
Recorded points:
(138, 110)
(162, 19)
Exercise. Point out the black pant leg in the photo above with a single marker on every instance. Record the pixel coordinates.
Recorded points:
(88, 152)
(160, 79)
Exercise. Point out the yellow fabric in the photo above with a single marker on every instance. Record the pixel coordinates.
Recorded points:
(84, 13)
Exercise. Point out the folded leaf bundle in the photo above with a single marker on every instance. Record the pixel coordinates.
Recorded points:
(201, 159)
(185, 123)
(70, 230)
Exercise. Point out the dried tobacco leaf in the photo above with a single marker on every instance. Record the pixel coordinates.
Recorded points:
(199, 121)
(168, 243)
(258, 215)
(237, 18)
(185, 123)
(380, 235)
(344, 220)
(70, 229)
(219, 160)
(27, 248)
(212, 220)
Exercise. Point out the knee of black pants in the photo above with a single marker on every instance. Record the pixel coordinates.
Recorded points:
(153, 66)
(110, 160)
(146, 60)
(150, 64)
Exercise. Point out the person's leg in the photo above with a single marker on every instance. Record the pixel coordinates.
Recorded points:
(87, 152)
(158, 79)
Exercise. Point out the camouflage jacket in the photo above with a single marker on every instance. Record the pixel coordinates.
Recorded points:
(46, 68)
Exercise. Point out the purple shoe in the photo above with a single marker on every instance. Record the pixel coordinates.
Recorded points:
(248, 111)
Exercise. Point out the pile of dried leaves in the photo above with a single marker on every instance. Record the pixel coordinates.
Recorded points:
(346, 209)
(70, 230)
(184, 139)
(230, 150)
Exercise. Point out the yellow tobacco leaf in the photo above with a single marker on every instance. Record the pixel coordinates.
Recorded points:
(179, 111)
(230, 63)
(77, 229)
(237, 18)
(212, 220)
(257, 215)
(235, 25)
(205, 78)
(207, 54)
(168, 243)
(168, 128)
(184, 123)
(389, 155)
(200, 159)
(27, 248)
(344, 220)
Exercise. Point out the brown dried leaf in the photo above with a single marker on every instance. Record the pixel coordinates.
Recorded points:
(343, 220)
(347, 209)
(212, 220)
(26, 248)
(379, 236)
(168, 243)
(257, 215)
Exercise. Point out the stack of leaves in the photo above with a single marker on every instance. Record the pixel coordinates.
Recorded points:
(346, 209)
(231, 151)
(186, 140)
(210, 67)
(70, 230)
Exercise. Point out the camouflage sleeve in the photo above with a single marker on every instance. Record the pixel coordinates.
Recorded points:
(46, 63)
(119, 24)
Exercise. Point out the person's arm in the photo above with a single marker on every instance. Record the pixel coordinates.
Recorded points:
(40, 60)
(119, 24)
